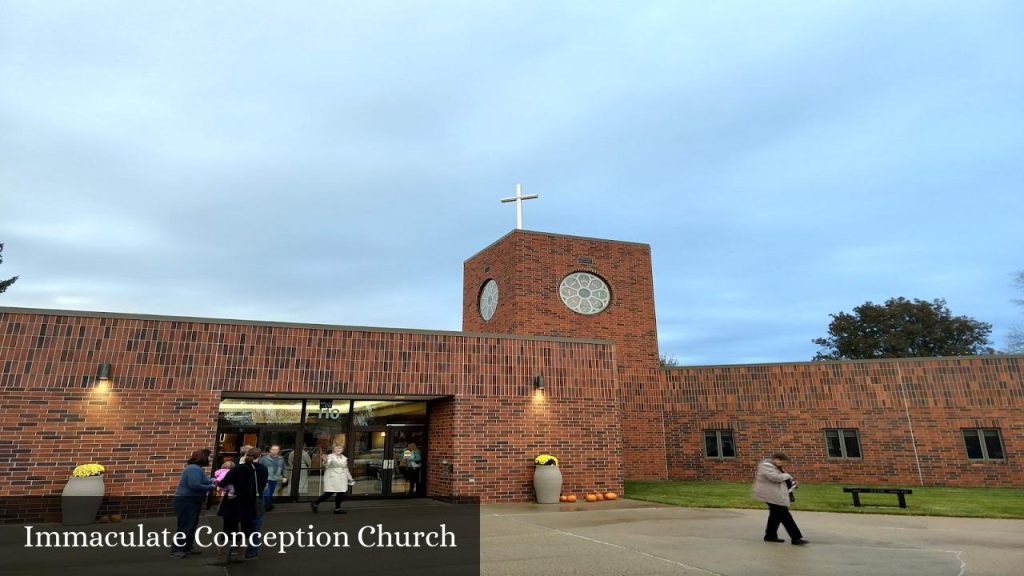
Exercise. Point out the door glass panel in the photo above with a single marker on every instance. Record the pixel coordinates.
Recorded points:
(327, 424)
(408, 454)
(230, 442)
(367, 463)
(285, 440)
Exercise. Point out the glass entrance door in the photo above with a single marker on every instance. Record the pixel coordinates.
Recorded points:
(326, 425)
(368, 466)
(388, 461)
(385, 441)
(408, 446)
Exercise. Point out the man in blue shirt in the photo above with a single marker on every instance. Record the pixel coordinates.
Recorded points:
(275, 474)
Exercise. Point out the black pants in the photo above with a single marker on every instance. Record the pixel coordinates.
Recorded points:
(338, 496)
(412, 477)
(780, 515)
(233, 524)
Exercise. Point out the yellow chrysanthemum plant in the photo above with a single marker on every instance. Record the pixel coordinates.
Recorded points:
(88, 470)
(545, 460)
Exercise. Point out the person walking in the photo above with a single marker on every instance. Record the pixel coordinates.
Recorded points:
(244, 513)
(773, 486)
(337, 479)
(275, 470)
(193, 487)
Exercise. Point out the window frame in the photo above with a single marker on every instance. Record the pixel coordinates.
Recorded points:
(718, 443)
(842, 443)
(979, 433)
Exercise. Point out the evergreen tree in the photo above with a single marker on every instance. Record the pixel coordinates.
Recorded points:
(5, 284)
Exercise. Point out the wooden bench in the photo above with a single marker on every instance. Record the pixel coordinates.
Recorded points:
(899, 492)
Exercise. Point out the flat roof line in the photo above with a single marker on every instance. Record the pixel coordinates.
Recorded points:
(236, 322)
(861, 361)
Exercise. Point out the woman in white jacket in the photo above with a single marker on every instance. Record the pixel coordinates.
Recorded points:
(337, 479)
(772, 486)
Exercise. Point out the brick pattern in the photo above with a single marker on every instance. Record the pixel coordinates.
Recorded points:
(495, 461)
(168, 376)
(893, 404)
(643, 423)
(530, 266)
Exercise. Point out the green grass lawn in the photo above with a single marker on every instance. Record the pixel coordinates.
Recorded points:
(925, 501)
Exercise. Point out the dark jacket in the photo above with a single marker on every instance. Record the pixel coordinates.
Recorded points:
(249, 480)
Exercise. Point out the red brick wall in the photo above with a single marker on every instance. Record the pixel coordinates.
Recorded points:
(643, 424)
(169, 374)
(786, 407)
(529, 267)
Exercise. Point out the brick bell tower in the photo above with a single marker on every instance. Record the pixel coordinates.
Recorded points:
(541, 284)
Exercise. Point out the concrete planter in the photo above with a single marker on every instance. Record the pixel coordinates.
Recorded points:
(81, 500)
(547, 484)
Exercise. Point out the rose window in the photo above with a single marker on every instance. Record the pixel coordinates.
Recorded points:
(585, 293)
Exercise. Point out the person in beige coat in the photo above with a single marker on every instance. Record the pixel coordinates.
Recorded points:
(772, 486)
(337, 479)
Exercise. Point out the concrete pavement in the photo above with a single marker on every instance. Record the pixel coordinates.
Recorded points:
(612, 538)
(629, 537)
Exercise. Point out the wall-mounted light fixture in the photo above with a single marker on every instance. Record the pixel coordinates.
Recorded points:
(538, 382)
(104, 373)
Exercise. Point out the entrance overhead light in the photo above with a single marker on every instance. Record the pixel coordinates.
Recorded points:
(538, 382)
(104, 373)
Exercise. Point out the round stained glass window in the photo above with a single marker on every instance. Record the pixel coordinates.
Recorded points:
(488, 299)
(585, 293)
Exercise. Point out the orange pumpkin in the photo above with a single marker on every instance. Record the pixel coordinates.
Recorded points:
(563, 498)
(611, 496)
(599, 496)
(571, 498)
(116, 517)
(591, 497)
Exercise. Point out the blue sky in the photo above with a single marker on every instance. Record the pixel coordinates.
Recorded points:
(336, 162)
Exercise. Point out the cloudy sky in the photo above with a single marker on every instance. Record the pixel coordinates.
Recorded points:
(335, 162)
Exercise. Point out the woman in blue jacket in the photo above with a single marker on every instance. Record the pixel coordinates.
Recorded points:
(193, 487)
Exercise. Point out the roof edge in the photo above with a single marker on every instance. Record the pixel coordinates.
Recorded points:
(272, 323)
(861, 361)
(556, 235)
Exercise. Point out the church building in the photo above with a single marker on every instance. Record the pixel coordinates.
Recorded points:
(558, 355)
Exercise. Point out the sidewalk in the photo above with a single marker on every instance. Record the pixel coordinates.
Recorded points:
(631, 537)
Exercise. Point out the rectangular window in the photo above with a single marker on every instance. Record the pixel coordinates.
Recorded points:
(719, 444)
(983, 444)
(842, 443)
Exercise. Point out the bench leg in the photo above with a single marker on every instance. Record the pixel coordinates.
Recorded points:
(903, 501)
(856, 499)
